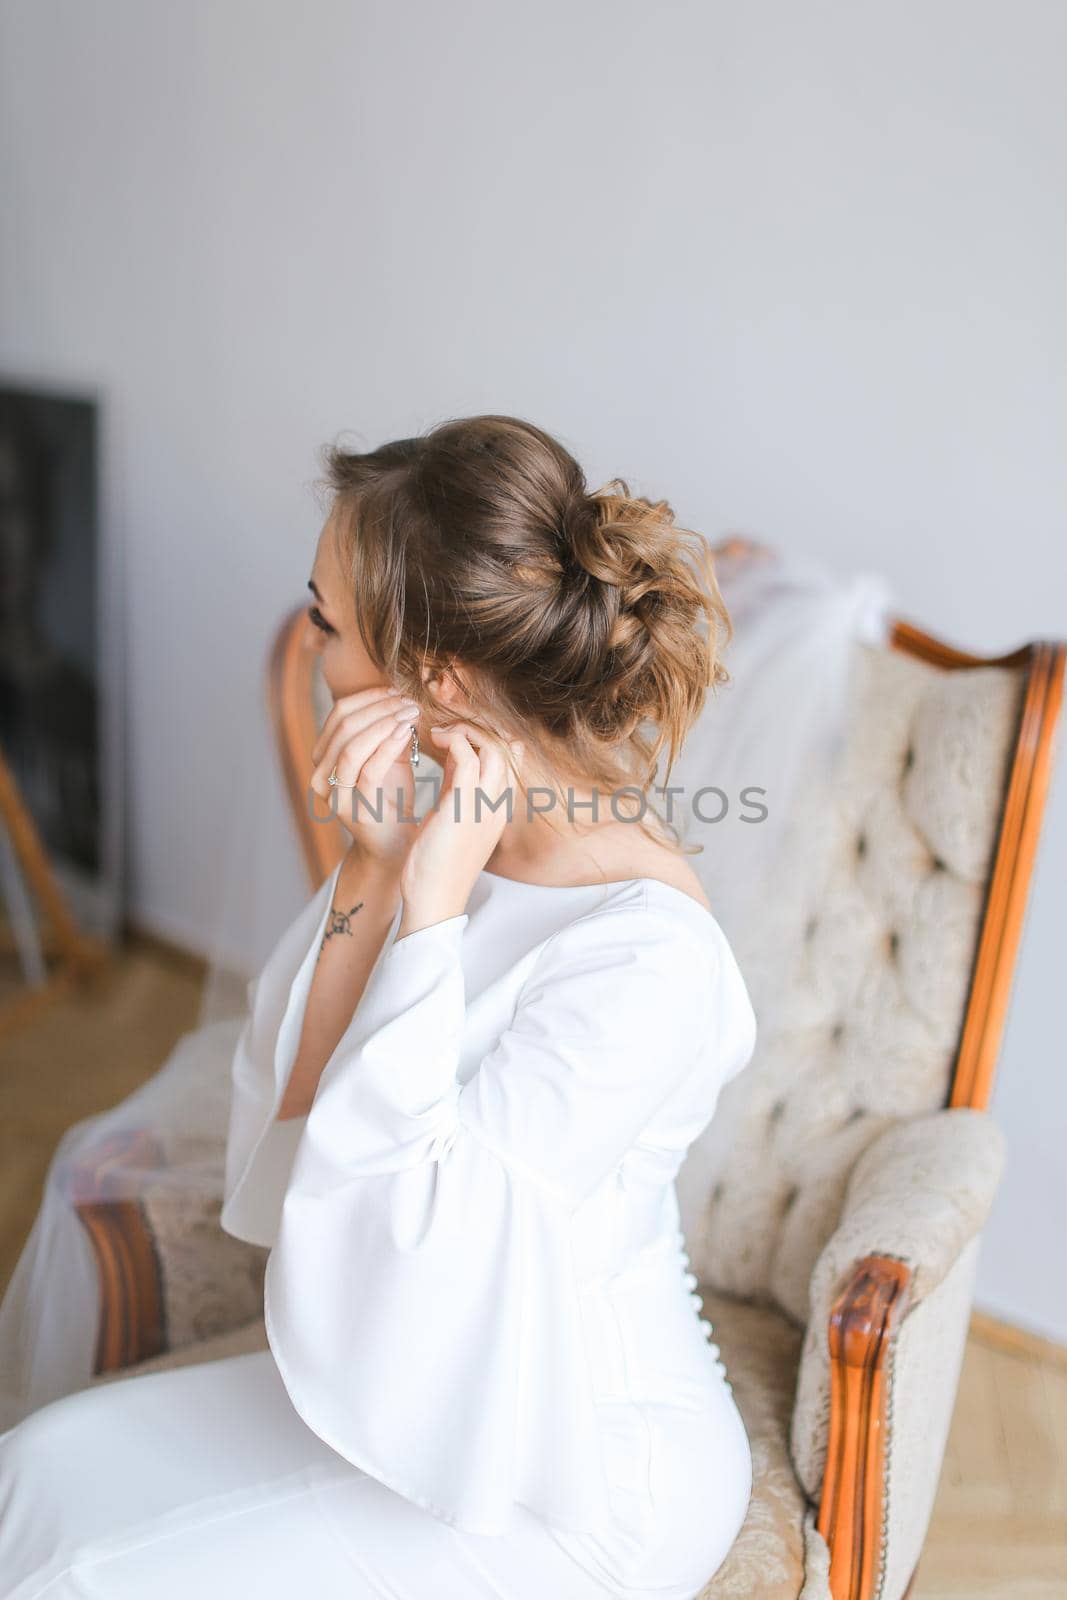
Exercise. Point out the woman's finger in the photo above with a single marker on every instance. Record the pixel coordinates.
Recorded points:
(486, 745)
(344, 724)
(355, 701)
(376, 717)
(376, 768)
(348, 751)
(465, 761)
(494, 768)
(461, 760)
(478, 763)
(363, 702)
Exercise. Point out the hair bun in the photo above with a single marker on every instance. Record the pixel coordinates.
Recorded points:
(662, 580)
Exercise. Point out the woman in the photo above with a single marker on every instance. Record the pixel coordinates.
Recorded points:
(470, 1072)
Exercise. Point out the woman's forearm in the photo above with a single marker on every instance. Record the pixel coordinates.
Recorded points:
(365, 900)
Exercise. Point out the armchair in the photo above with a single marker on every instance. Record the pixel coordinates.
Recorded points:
(854, 1162)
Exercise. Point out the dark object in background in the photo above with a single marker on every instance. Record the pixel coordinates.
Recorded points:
(49, 700)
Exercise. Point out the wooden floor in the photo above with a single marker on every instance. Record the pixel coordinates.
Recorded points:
(79, 1055)
(999, 1529)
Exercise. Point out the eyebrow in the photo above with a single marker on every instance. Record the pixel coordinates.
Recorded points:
(313, 586)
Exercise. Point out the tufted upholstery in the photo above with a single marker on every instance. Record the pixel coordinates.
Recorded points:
(869, 1027)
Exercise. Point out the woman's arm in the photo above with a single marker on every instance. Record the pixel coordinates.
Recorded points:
(365, 900)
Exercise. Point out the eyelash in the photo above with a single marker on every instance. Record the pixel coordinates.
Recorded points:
(319, 620)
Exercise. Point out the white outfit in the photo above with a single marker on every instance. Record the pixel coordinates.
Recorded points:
(487, 1375)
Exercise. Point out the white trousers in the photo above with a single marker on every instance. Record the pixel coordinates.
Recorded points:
(203, 1482)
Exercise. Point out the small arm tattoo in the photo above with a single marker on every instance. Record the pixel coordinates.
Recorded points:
(339, 922)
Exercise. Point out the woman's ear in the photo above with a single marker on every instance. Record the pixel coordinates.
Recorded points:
(447, 687)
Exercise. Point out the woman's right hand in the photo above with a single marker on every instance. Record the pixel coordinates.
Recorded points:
(367, 738)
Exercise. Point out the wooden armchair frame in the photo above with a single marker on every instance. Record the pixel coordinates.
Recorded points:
(870, 1305)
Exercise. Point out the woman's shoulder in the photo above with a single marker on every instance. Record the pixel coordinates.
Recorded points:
(635, 928)
(645, 969)
(654, 936)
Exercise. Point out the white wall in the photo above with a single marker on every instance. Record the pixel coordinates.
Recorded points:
(800, 268)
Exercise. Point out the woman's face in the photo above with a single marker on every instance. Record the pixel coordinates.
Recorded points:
(346, 666)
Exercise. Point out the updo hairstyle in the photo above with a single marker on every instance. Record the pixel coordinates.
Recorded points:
(584, 623)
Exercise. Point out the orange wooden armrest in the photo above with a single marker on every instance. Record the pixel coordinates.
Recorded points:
(863, 1322)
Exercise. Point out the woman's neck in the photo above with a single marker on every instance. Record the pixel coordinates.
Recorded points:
(554, 836)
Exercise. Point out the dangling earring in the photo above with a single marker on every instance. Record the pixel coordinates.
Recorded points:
(414, 746)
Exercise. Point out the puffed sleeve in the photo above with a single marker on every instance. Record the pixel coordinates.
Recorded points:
(421, 1299)
(259, 1149)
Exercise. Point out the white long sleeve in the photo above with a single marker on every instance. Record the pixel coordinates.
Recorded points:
(421, 1296)
(259, 1148)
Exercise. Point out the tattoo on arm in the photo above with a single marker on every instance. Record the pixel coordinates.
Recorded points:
(339, 922)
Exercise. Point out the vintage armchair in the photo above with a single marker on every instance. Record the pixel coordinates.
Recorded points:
(855, 1160)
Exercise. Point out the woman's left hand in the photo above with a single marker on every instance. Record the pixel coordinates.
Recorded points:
(456, 838)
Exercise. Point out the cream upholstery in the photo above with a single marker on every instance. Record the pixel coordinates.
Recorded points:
(876, 1000)
(778, 1551)
(833, 1143)
(920, 1193)
(237, 1341)
(210, 1281)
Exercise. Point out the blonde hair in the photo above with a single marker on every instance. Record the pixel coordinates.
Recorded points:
(586, 624)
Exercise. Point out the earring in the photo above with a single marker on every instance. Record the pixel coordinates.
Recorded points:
(414, 745)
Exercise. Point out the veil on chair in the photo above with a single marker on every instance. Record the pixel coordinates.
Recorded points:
(747, 756)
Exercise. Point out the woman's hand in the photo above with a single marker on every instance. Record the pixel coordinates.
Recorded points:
(456, 839)
(366, 737)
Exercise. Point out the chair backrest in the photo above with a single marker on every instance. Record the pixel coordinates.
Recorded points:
(904, 964)
(924, 843)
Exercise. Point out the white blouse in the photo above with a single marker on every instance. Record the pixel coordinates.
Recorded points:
(474, 1232)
